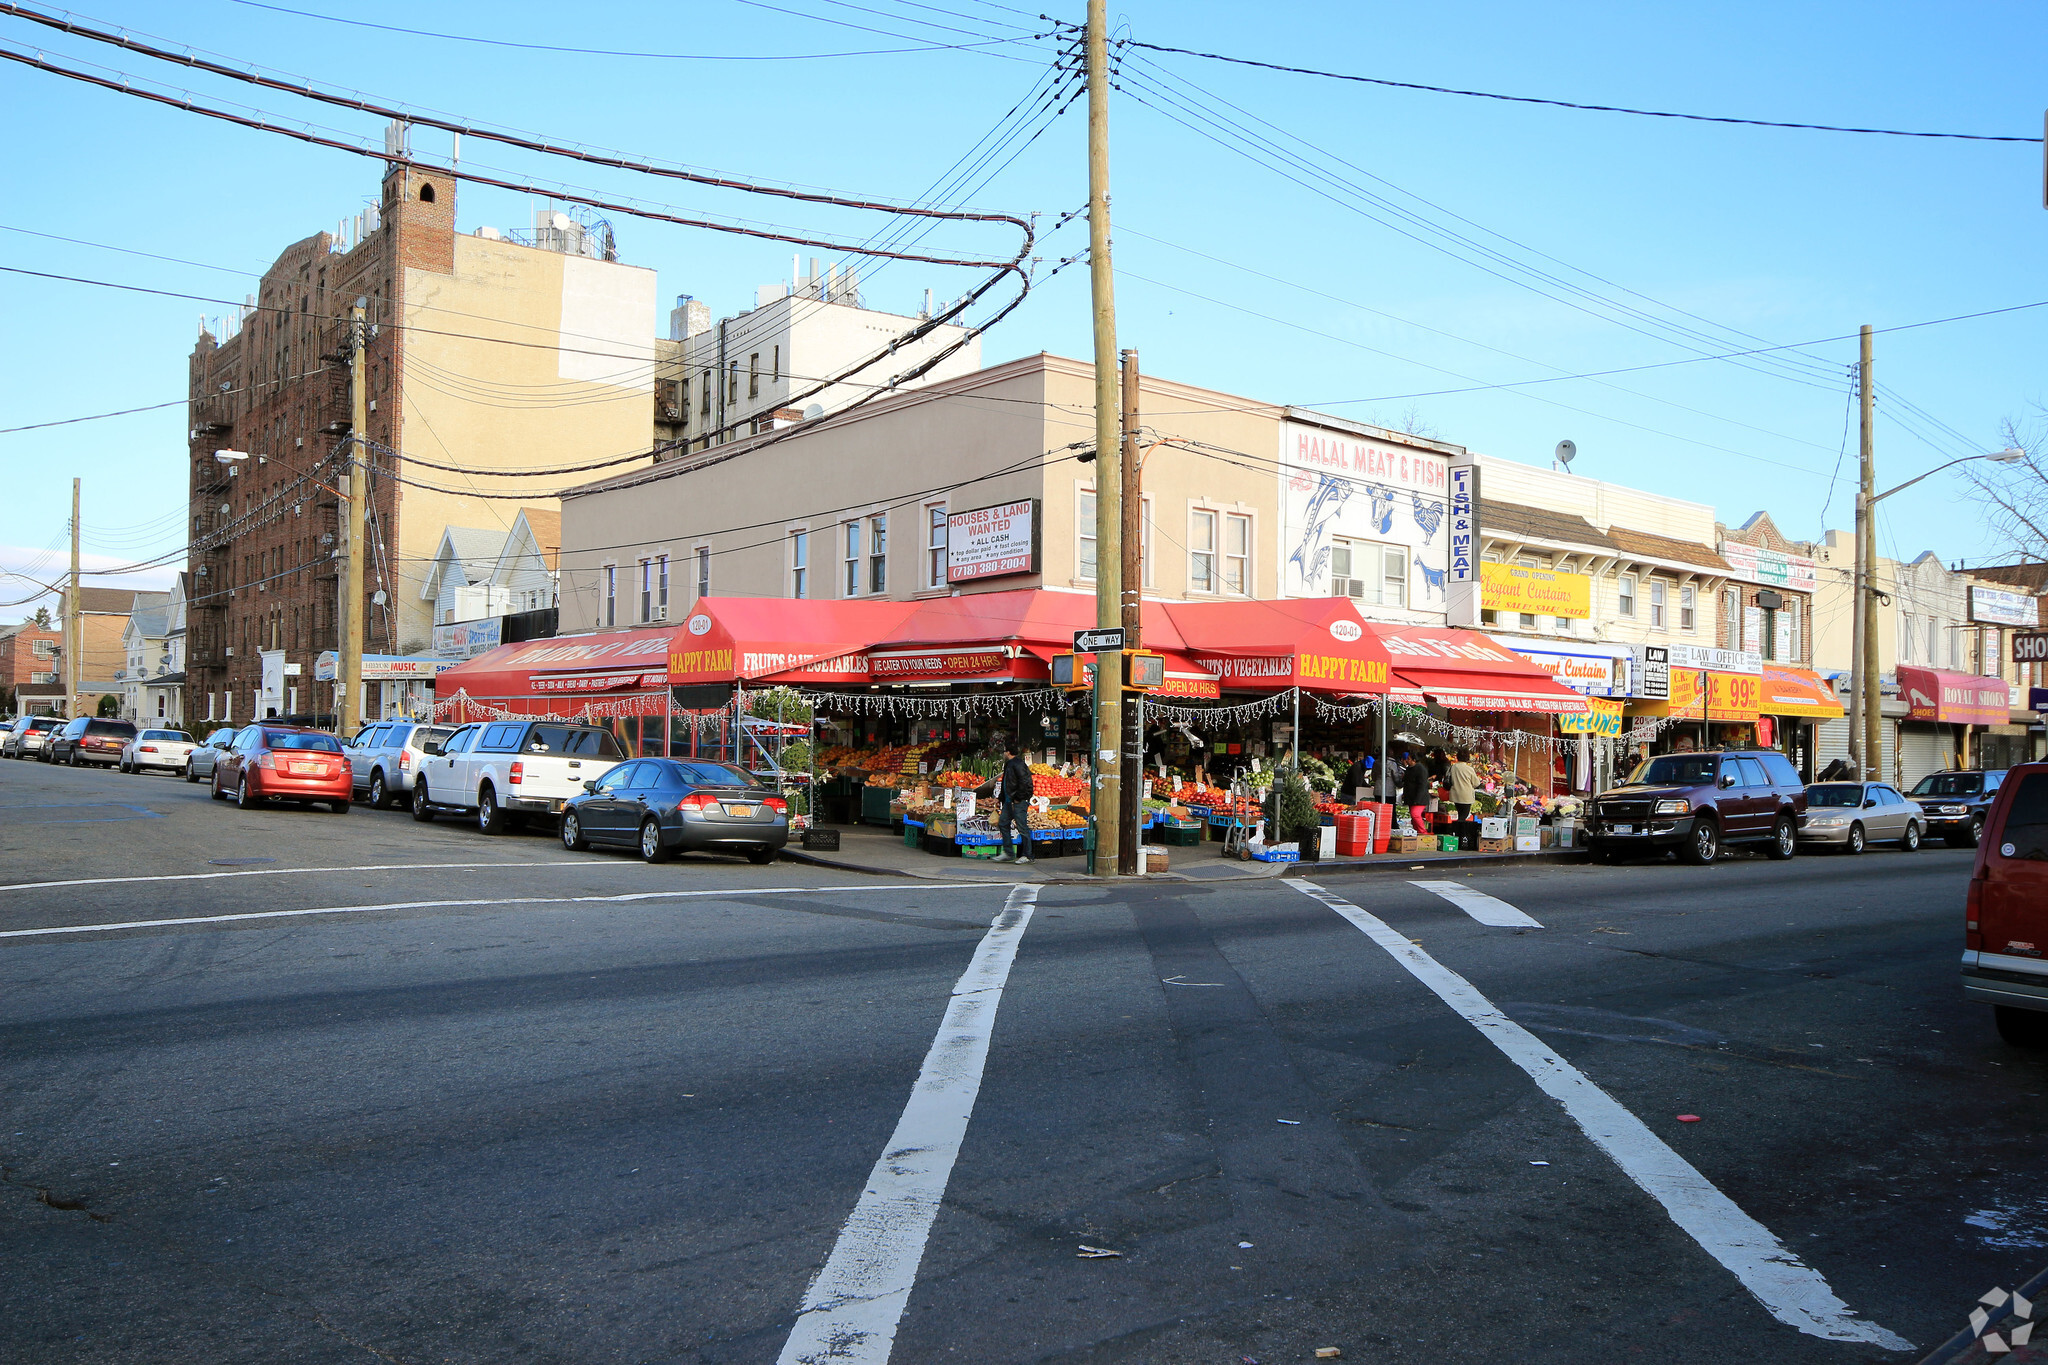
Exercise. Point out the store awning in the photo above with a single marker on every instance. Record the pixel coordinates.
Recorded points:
(1953, 698)
(1318, 643)
(781, 640)
(564, 666)
(1797, 692)
(1465, 671)
(1185, 676)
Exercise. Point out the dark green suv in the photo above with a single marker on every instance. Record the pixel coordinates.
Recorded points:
(1697, 803)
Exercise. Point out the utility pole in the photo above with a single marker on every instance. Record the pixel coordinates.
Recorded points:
(1872, 769)
(1106, 804)
(1131, 809)
(74, 623)
(348, 667)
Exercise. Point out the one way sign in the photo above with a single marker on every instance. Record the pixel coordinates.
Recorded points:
(1098, 641)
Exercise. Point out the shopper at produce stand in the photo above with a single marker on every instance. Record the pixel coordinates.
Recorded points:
(1013, 805)
(1414, 788)
(1357, 777)
(1463, 782)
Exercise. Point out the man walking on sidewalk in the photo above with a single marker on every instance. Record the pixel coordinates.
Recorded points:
(1013, 805)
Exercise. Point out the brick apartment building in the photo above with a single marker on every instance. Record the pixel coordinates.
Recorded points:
(487, 353)
(31, 673)
(1767, 602)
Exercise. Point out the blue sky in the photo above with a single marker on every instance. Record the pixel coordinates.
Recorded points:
(1743, 236)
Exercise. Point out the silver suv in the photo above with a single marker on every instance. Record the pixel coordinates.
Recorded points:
(30, 735)
(383, 758)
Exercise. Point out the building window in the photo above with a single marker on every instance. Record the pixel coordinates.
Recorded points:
(1625, 596)
(1237, 553)
(1768, 646)
(799, 562)
(1688, 609)
(1657, 604)
(44, 649)
(1731, 619)
(732, 383)
(1907, 637)
(647, 590)
(661, 585)
(1955, 644)
(704, 395)
(1792, 632)
(1367, 572)
(852, 530)
(754, 375)
(1084, 535)
(1528, 618)
(1202, 551)
(703, 571)
(611, 595)
(776, 375)
(878, 552)
(935, 545)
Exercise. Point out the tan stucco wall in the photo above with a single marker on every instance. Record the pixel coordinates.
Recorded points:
(577, 387)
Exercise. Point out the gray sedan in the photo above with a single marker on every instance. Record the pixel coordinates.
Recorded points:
(1849, 815)
(200, 763)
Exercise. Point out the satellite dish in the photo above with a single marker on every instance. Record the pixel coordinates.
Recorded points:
(814, 412)
(1567, 451)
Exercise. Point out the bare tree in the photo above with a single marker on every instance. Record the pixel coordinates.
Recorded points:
(2015, 496)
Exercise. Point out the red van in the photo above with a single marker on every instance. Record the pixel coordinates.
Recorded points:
(2005, 945)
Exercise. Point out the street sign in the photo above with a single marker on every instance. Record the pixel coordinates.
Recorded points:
(1098, 641)
(2030, 646)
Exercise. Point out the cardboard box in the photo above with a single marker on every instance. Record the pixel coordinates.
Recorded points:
(1548, 834)
(1155, 858)
(1406, 843)
(1493, 827)
(1528, 843)
(1524, 824)
(1487, 845)
(1568, 837)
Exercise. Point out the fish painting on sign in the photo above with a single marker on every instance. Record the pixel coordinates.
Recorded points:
(1312, 553)
(1382, 515)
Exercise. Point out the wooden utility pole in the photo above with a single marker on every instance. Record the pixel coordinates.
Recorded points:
(348, 667)
(1872, 767)
(1106, 803)
(1129, 851)
(74, 622)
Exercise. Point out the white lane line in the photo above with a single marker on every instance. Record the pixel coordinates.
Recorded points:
(1480, 906)
(489, 900)
(851, 1310)
(281, 872)
(1792, 1292)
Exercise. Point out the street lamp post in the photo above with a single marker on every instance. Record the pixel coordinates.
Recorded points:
(1866, 602)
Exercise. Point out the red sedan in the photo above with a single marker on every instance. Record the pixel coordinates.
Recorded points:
(271, 762)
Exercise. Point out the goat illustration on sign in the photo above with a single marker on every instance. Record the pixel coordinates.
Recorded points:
(1433, 578)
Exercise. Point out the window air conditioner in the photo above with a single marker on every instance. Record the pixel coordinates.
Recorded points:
(660, 614)
(229, 651)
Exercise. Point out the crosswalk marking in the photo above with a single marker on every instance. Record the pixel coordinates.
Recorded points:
(852, 1309)
(1480, 906)
(1792, 1292)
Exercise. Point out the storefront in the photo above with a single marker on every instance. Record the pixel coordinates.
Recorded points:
(1600, 673)
(1488, 699)
(1943, 711)
(1792, 704)
(392, 684)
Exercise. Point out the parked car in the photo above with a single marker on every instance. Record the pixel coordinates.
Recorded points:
(166, 750)
(270, 762)
(2005, 917)
(382, 758)
(200, 763)
(503, 771)
(663, 806)
(28, 735)
(1956, 803)
(1699, 803)
(89, 739)
(1850, 815)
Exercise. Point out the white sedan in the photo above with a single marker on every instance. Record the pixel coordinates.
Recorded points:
(165, 750)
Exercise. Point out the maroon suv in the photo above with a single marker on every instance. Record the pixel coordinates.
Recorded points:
(1699, 802)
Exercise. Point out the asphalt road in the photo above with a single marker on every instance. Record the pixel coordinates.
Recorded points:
(497, 1102)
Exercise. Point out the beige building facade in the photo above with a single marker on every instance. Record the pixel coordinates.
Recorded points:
(857, 506)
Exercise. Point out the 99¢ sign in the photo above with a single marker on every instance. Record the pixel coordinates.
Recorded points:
(992, 542)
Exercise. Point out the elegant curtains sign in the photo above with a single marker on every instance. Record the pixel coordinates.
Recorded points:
(1535, 592)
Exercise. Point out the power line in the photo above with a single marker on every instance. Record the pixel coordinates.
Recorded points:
(613, 52)
(1572, 104)
(94, 417)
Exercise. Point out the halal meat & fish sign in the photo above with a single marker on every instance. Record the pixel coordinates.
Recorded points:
(1337, 486)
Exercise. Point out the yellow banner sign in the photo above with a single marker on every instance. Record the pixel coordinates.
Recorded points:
(1603, 719)
(1727, 696)
(1538, 592)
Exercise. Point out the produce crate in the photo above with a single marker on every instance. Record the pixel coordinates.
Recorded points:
(1267, 855)
(980, 850)
(874, 805)
(1181, 836)
(943, 847)
(913, 831)
(1050, 843)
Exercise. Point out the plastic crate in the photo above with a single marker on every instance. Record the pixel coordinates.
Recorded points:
(1266, 855)
(1181, 836)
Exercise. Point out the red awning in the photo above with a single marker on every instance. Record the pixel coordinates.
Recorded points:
(1319, 643)
(1954, 698)
(1185, 676)
(565, 666)
(1465, 671)
(780, 640)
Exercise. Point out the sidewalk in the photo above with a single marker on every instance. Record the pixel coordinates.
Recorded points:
(872, 850)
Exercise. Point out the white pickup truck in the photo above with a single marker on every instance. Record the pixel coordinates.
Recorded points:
(503, 771)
